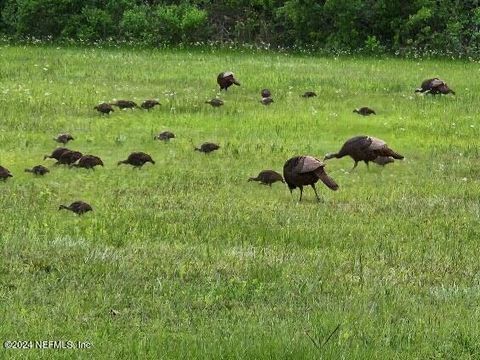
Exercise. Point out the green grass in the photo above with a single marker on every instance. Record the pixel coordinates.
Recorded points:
(200, 263)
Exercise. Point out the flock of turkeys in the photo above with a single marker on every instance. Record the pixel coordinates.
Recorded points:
(298, 171)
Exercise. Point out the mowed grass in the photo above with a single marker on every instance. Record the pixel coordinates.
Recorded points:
(199, 263)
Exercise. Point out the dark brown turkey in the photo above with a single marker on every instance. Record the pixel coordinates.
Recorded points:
(434, 86)
(4, 173)
(309, 94)
(88, 162)
(226, 79)
(137, 159)
(69, 157)
(165, 136)
(266, 101)
(365, 111)
(265, 93)
(78, 207)
(56, 153)
(207, 147)
(267, 177)
(38, 170)
(124, 104)
(383, 160)
(104, 108)
(215, 102)
(301, 171)
(364, 148)
(149, 104)
(63, 138)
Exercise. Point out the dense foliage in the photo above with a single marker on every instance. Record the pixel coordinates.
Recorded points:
(367, 25)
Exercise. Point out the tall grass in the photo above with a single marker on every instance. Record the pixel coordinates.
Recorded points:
(195, 261)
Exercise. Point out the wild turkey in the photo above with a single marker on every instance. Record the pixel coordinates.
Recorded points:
(365, 111)
(434, 86)
(4, 173)
(215, 102)
(226, 79)
(300, 171)
(69, 157)
(165, 136)
(265, 93)
(266, 101)
(56, 153)
(364, 148)
(88, 162)
(267, 177)
(383, 160)
(309, 94)
(104, 108)
(124, 104)
(137, 159)
(78, 207)
(63, 138)
(207, 147)
(149, 104)
(38, 170)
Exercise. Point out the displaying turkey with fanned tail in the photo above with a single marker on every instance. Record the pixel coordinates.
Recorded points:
(301, 171)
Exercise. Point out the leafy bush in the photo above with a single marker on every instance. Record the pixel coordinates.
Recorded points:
(446, 27)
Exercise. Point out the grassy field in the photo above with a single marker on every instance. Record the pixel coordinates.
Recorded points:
(195, 261)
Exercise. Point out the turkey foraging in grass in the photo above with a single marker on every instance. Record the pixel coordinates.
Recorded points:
(124, 104)
(4, 173)
(149, 104)
(38, 170)
(215, 102)
(165, 136)
(63, 138)
(207, 147)
(78, 207)
(56, 153)
(434, 86)
(265, 93)
(267, 177)
(365, 111)
(137, 159)
(300, 171)
(364, 148)
(309, 94)
(88, 162)
(104, 108)
(226, 79)
(69, 157)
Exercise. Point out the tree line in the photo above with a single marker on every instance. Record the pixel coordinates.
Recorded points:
(446, 27)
